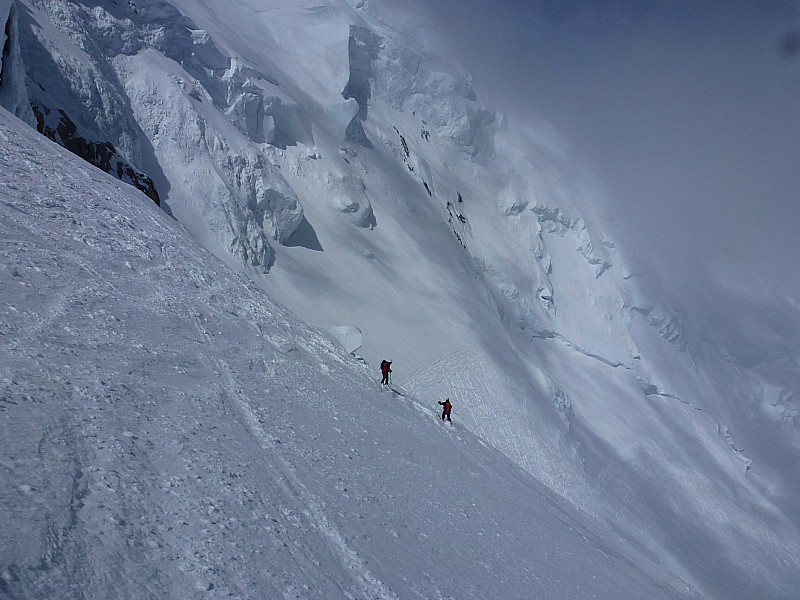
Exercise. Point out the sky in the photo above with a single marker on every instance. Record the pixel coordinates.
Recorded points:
(684, 112)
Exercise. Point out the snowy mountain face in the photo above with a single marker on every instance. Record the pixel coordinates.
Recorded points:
(170, 432)
(356, 178)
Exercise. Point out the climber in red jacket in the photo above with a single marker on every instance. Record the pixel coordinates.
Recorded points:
(386, 368)
(446, 407)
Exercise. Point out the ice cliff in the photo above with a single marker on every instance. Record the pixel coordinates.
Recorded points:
(13, 94)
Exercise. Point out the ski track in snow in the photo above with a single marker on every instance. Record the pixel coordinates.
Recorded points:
(369, 585)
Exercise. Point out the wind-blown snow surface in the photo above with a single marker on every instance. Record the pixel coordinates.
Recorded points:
(358, 179)
(170, 432)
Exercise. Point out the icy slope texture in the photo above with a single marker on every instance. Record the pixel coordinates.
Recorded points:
(169, 432)
(460, 246)
(13, 95)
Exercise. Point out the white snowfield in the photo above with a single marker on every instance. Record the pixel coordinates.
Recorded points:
(168, 431)
(335, 164)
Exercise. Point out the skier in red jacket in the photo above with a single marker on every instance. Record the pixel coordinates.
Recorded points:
(386, 368)
(446, 406)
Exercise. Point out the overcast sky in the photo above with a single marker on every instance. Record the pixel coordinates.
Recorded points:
(687, 112)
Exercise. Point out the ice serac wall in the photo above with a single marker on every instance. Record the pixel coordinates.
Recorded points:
(413, 80)
(139, 90)
(13, 95)
(73, 101)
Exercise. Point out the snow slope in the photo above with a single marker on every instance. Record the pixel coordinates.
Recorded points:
(357, 178)
(168, 431)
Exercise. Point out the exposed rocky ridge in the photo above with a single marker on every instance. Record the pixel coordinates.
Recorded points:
(62, 130)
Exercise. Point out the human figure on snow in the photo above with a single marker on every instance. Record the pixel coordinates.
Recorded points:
(446, 407)
(386, 368)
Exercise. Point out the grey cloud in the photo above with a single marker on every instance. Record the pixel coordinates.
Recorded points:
(789, 46)
(684, 111)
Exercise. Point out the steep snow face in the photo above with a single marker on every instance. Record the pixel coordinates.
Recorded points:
(168, 430)
(13, 95)
(320, 144)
